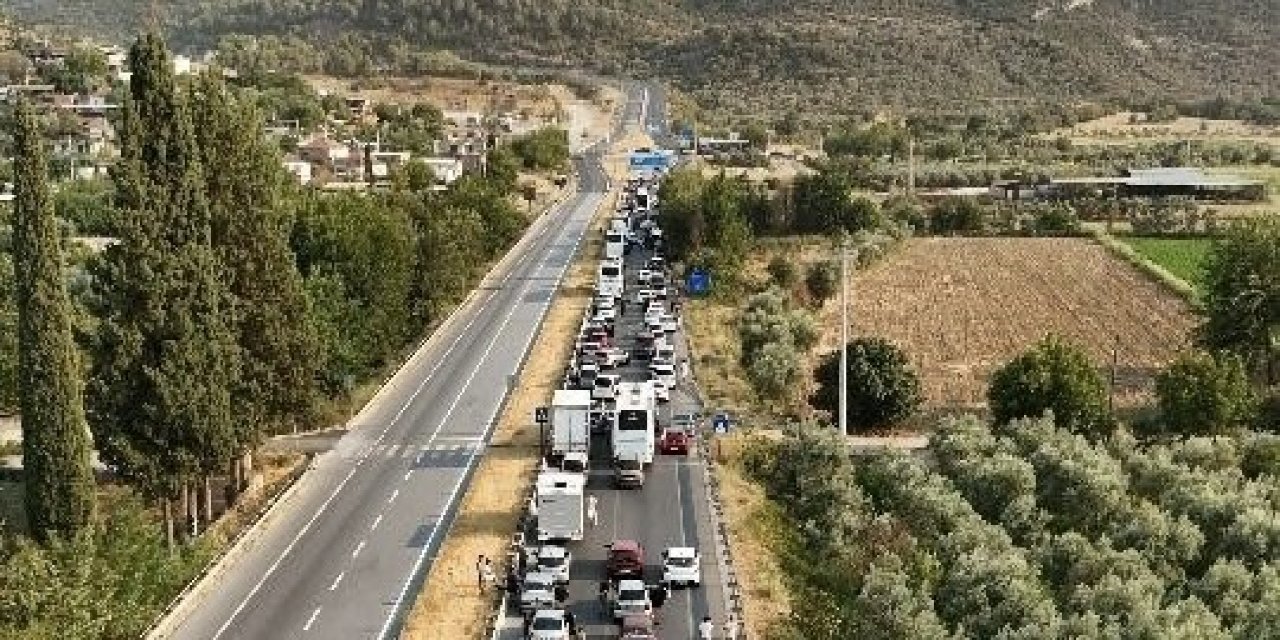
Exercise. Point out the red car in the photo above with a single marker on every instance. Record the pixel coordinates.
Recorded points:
(626, 559)
(674, 442)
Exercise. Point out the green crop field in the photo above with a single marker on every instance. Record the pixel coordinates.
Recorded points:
(1183, 257)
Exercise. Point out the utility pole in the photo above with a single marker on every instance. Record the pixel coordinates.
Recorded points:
(911, 168)
(844, 334)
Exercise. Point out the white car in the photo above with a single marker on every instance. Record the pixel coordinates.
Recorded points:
(605, 386)
(682, 566)
(537, 591)
(661, 392)
(555, 560)
(606, 315)
(549, 624)
(613, 357)
(663, 372)
(670, 324)
(632, 598)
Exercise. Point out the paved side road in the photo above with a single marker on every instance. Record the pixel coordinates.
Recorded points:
(344, 558)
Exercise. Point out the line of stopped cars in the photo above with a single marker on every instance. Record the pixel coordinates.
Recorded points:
(606, 401)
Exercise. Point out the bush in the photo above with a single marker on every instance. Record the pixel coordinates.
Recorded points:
(957, 216)
(821, 280)
(1202, 394)
(882, 388)
(1053, 376)
(773, 336)
(783, 272)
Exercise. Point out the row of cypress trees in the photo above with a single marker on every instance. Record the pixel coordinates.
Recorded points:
(200, 306)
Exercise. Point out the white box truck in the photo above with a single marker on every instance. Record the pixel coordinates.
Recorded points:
(559, 506)
(570, 417)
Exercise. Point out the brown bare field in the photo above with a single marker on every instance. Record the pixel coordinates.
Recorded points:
(1116, 129)
(449, 94)
(962, 307)
(450, 606)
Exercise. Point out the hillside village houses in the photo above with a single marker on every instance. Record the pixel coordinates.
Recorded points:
(327, 156)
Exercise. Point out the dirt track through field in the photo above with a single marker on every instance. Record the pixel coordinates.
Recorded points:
(961, 307)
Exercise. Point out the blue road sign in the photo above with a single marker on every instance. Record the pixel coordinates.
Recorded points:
(721, 423)
(698, 282)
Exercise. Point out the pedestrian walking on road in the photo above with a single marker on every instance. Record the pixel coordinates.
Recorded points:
(572, 622)
(592, 515)
(706, 629)
(604, 596)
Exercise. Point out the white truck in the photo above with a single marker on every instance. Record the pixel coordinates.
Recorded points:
(559, 506)
(636, 412)
(570, 417)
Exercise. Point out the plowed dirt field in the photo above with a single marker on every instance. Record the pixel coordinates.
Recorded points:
(961, 307)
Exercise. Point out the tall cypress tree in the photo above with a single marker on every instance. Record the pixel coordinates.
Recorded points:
(164, 358)
(278, 347)
(55, 439)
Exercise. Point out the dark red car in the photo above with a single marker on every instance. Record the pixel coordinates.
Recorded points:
(674, 442)
(626, 559)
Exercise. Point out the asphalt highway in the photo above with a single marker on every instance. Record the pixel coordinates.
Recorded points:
(672, 508)
(344, 556)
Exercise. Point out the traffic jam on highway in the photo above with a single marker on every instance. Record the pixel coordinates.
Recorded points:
(601, 433)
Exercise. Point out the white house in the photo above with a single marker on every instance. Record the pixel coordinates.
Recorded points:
(300, 169)
(446, 170)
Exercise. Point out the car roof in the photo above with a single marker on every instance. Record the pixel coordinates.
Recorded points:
(552, 550)
(681, 552)
(624, 545)
(558, 614)
(636, 622)
(631, 584)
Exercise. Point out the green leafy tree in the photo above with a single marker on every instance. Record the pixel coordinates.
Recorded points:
(164, 357)
(1053, 376)
(822, 280)
(1202, 394)
(956, 215)
(57, 477)
(889, 607)
(8, 336)
(882, 387)
(279, 355)
(783, 272)
(1242, 294)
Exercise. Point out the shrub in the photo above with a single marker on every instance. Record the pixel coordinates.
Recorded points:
(1202, 394)
(882, 388)
(783, 272)
(957, 216)
(1053, 376)
(821, 280)
(772, 336)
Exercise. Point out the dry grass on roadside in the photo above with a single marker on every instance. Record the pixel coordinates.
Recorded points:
(748, 514)
(449, 606)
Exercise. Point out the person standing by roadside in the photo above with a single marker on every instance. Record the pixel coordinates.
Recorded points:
(487, 576)
(593, 515)
(706, 628)
(480, 564)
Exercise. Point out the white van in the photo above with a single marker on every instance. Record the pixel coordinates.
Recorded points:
(615, 244)
(609, 281)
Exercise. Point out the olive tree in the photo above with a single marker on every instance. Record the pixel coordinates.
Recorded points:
(1203, 394)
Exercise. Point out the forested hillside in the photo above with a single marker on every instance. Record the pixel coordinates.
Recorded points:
(741, 55)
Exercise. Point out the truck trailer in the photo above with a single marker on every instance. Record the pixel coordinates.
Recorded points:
(559, 508)
(570, 429)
